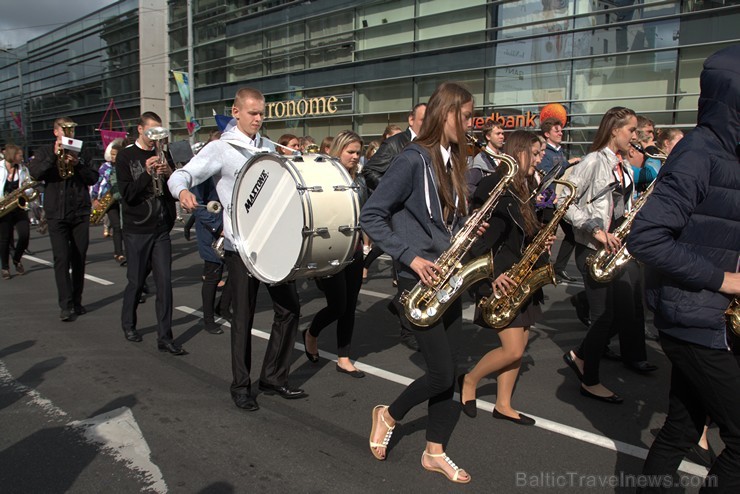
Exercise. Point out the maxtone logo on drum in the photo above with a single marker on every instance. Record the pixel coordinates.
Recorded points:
(256, 190)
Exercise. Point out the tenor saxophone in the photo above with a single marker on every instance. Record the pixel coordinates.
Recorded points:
(65, 169)
(18, 198)
(498, 310)
(104, 204)
(424, 304)
(733, 316)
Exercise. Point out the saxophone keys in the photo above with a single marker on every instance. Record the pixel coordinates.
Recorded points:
(442, 297)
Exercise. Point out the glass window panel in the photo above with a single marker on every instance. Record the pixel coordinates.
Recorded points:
(285, 35)
(527, 84)
(247, 45)
(430, 7)
(455, 22)
(330, 24)
(372, 126)
(388, 96)
(385, 12)
(382, 35)
(473, 81)
(611, 11)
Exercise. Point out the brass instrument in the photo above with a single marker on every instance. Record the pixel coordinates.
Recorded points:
(18, 198)
(104, 204)
(733, 316)
(604, 266)
(499, 310)
(65, 169)
(424, 305)
(159, 135)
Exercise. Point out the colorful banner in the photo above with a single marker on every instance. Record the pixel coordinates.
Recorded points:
(18, 121)
(183, 86)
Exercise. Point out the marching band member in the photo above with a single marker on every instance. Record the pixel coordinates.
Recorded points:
(67, 207)
(407, 216)
(341, 290)
(289, 141)
(13, 174)
(688, 236)
(605, 184)
(101, 188)
(512, 227)
(222, 159)
(147, 222)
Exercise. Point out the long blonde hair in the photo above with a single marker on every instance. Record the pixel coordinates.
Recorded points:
(341, 141)
(448, 97)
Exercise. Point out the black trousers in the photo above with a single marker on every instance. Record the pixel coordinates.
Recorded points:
(704, 382)
(341, 292)
(212, 272)
(18, 220)
(276, 364)
(439, 347)
(70, 238)
(114, 216)
(567, 246)
(149, 252)
(614, 309)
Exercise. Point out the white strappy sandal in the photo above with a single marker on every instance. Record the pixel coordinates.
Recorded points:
(456, 477)
(388, 433)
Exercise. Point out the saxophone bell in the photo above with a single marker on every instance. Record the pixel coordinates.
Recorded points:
(64, 167)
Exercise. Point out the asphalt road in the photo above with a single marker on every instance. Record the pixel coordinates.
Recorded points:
(82, 410)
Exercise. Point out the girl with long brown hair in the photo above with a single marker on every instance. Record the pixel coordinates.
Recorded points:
(513, 225)
(411, 216)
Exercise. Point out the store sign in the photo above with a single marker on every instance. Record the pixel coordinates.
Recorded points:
(527, 120)
(304, 107)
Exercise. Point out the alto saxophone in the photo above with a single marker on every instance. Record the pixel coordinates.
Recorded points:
(733, 316)
(104, 204)
(18, 198)
(65, 169)
(604, 266)
(498, 310)
(425, 304)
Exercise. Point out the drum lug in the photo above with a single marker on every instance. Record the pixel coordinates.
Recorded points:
(348, 229)
(313, 188)
(347, 187)
(335, 262)
(312, 265)
(321, 231)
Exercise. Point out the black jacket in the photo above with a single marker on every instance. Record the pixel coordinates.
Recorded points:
(63, 199)
(505, 236)
(688, 232)
(142, 211)
(374, 169)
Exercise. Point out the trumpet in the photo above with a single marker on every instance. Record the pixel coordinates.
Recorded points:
(159, 135)
(65, 169)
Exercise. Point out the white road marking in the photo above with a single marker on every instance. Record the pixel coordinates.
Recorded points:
(51, 265)
(115, 432)
(118, 434)
(565, 430)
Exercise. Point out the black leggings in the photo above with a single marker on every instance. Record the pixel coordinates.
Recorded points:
(341, 291)
(18, 219)
(438, 345)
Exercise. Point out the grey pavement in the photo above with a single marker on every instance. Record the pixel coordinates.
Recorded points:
(57, 378)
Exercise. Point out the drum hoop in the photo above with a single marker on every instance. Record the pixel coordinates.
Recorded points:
(307, 207)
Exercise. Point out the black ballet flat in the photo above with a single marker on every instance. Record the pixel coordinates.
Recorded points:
(358, 374)
(572, 364)
(522, 420)
(470, 408)
(614, 399)
(312, 357)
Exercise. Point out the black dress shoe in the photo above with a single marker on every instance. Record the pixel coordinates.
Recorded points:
(80, 310)
(409, 340)
(642, 367)
(572, 364)
(563, 275)
(614, 398)
(469, 408)
(132, 335)
(357, 373)
(245, 402)
(312, 357)
(522, 420)
(283, 391)
(213, 328)
(610, 354)
(701, 456)
(171, 348)
(67, 315)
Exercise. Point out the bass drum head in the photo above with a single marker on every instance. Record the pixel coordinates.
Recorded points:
(267, 218)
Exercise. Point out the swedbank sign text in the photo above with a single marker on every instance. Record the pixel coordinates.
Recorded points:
(307, 107)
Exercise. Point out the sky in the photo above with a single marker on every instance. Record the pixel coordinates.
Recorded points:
(21, 21)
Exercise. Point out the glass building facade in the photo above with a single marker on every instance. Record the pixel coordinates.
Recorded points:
(378, 58)
(73, 71)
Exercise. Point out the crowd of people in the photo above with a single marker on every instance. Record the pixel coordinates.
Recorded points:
(416, 188)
